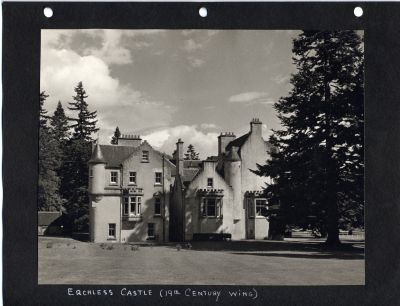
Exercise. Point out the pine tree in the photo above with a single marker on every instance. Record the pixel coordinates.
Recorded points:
(318, 166)
(75, 169)
(85, 125)
(42, 112)
(191, 153)
(49, 198)
(117, 135)
(59, 124)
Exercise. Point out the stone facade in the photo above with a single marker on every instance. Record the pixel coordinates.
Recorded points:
(138, 194)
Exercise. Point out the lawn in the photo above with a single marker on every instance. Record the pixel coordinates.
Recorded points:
(296, 261)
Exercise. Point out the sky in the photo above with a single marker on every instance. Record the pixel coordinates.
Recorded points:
(170, 84)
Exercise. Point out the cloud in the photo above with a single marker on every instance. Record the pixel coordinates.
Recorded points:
(280, 79)
(251, 97)
(205, 143)
(117, 104)
(196, 41)
(190, 45)
(195, 62)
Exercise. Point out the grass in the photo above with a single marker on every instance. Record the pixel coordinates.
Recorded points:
(292, 262)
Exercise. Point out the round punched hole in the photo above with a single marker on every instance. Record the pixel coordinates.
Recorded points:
(358, 11)
(48, 12)
(203, 12)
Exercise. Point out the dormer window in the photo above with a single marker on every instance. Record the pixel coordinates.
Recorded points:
(145, 156)
(210, 182)
(114, 177)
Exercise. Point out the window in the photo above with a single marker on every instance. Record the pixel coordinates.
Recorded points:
(145, 156)
(114, 177)
(210, 182)
(158, 177)
(157, 206)
(111, 230)
(261, 207)
(91, 173)
(134, 204)
(211, 207)
(132, 178)
(151, 230)
(125, 209)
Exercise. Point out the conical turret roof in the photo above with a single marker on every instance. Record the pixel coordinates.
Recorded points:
(97, 156)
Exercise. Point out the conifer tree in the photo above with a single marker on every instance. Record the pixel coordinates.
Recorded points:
(191, 153)
(75, 169)
(117, 135)
(318, 166)
(59, 124)
(85, 124)
(49, 198)
(42, 112)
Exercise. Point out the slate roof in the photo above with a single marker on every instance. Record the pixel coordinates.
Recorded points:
(115, 155)
(238, 142)
(192, 163)
(189, 174)
(45, 218)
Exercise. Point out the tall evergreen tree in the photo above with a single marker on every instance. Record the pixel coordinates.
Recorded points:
(191, 153)
(49, 198)
(75, 169)
(117, 134)
(42, 112)
(318, 166)
(59, 124)
(85, 124)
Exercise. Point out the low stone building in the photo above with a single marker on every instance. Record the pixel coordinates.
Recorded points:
(138, 193)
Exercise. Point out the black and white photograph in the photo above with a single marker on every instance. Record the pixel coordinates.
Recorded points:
(201, 157)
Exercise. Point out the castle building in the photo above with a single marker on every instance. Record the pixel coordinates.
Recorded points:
(137, 193)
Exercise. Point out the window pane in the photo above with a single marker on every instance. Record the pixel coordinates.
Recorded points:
(210, 182)
(157, 206)
(150, 229)
(133, 205)
(114, 177)
(111, 229)
(126, 206)
(211, 208)
(132, 177)
(261, 207)
(158, 177)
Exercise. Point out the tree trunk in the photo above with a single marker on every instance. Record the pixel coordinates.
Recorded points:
(333, 223)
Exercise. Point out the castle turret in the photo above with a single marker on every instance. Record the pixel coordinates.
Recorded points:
(233, 176)
(97, 165)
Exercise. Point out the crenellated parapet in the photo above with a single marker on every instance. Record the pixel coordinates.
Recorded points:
(254, 194)
(210, 192)
(132, 191)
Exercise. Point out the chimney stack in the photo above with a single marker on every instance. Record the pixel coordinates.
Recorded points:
(223, 140)
(179, 157)
(256, 127)
(129, 140)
